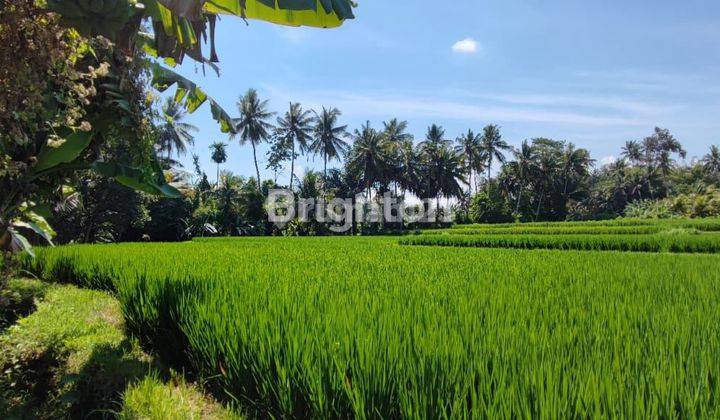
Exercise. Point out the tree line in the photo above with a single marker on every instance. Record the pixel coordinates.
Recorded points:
(478, 176)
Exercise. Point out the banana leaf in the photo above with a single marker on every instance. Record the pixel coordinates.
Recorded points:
(141, 179)
(68, 151)
(181, 26)
(190, 95)
(316, 13)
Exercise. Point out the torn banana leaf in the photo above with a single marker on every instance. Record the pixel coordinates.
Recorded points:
(189, 94)
(315, 13)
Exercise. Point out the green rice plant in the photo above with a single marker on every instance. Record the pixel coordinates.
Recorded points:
(345, 327)
(552, 230)
(708, 225)
(638, 243)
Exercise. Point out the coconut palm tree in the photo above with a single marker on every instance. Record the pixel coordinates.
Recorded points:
(253, 126)
(370, 156)
(451, 168)
(544, 173)
(296, 129)
(395, 133)
(407, 166)
(442, 168)
(174, 134)
(435, 137)
(493, 146)
(524, 165)
(575, 165)
(219, 156)
(469, 148)
(711, 161)
(329, 137)
(633, 151)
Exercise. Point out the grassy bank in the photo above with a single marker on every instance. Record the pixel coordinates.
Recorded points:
(70, 358)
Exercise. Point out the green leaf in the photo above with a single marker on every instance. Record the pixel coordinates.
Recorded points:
(41, 222)
(19, 243)
(287, 12)
(35, 228)
(222, 117)
(74, 145)
(142, 180)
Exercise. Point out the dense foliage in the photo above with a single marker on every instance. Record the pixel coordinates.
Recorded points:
(67, 103)
(73, 97)
(362, 327)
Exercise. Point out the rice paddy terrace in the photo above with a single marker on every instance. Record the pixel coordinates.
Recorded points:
(480, 321)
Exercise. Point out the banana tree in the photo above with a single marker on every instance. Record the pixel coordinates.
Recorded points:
(180, 28)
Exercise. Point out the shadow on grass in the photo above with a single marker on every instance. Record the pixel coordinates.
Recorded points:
(18, 300)
(44, 387)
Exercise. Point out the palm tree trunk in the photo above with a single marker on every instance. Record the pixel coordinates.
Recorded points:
(517, 206)
(470, 176)
(540, 200)
(353, 224)
(324, 170)
(490, 159)
(257, 168)
(292, 165)
(217, 183)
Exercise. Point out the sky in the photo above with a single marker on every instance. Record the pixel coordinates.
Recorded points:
(592, 73)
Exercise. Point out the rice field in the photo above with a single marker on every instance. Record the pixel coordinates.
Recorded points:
(550, 230)
(344, 327)
(678, 243)
(709, 224)
(636, 235)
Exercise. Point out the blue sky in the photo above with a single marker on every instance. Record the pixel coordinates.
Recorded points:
(594, 73)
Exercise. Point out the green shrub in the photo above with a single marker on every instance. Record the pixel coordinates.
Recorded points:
(706, 204)
(489, 206)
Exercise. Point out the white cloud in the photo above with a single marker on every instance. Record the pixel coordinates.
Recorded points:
(369, 104)
(293, 35)
(466, 46)
(583, 101)
(607, 160)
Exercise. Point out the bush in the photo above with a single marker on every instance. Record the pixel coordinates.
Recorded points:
(684, 205)
(489, 206)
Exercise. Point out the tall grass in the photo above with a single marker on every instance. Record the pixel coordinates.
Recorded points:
(639, 243)
(364, 328)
